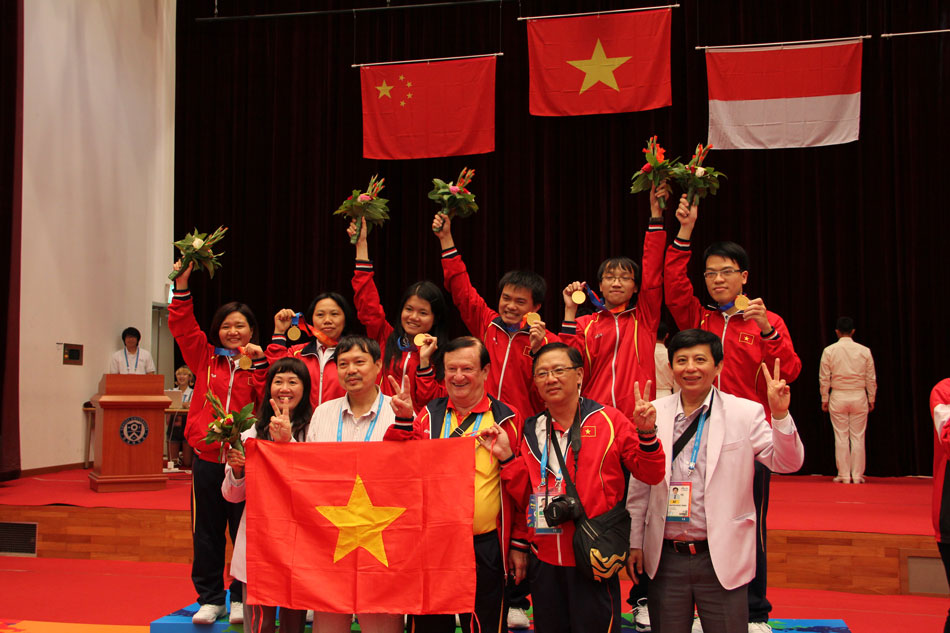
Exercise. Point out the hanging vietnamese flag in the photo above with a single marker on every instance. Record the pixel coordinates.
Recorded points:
(361, 527)
(597, 64)
(784, 96)
(429, 109)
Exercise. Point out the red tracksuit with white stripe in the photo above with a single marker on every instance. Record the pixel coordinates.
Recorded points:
(233, 386)
(609, 444)
(324, 384)
(744, 347)
(371, 314)
(509, 379)
(618, 347)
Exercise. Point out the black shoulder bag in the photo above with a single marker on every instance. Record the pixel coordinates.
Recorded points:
(602, 543)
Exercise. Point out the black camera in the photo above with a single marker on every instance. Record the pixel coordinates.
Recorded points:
(562, 508)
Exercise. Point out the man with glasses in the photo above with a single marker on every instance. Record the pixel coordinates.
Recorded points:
(750, 335)
(467, 412)
(617, 341)
(599, 446)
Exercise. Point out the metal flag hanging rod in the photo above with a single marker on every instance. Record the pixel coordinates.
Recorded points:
(428, 59)
(915, 33)
(830, 39)
(298, 14)
(575, 15)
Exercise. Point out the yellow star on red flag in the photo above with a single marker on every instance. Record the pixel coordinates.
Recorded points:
(361, 524)
(599, 68)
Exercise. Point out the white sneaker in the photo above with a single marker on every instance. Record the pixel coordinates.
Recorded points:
(309, 616)
(237, 613)
(208, 613)
(759, 627)
(641, 616)
(697, 625)
(518, 619)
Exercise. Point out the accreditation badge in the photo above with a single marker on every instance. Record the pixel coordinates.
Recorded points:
(677, 507)
(536, 505)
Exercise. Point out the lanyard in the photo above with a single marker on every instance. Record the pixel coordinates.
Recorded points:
(699, 435)
(544, 461)
(372, 425)
(224, 351)
(447, 425)
(125, 350)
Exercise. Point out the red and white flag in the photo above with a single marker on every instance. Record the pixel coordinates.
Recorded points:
(789, 96)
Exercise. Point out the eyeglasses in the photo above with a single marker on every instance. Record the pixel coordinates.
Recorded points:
(612, 279)
(725, 272)
(557, 372)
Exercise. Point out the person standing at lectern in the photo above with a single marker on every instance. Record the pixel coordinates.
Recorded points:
(131, 359)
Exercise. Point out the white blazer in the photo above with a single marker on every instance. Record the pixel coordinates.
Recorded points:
(738, 434)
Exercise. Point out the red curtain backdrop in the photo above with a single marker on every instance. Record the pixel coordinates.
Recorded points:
(11, 143)
(268, 141)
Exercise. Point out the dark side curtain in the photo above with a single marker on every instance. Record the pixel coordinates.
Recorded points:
(268, 142)
(11, 143)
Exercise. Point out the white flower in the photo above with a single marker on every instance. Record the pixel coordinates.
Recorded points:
(700, 172)
(198, 243)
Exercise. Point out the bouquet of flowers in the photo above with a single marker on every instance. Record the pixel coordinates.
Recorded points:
(366, 205)
(226, 426)
(695, 178)
(654, 171)
(456, 200)
(196, 247)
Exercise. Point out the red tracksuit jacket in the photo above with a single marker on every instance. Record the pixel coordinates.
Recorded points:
(324, 385)
(510, 378)
(609, 444)
(618, 348)
(744, 349)
(233, 386)
(940, 508)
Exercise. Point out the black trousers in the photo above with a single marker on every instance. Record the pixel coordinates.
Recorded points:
(565, 601)
(945, 556)
(489, 595)
(211, 514)
(516, 595)
(759, 605)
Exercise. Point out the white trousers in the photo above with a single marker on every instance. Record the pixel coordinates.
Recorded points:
(849, 417)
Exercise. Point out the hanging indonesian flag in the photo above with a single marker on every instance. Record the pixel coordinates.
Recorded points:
(361, 527)
(598, 64)
(791, 96)
(424, 110)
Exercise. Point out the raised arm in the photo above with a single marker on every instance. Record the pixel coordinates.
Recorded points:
(474, 311)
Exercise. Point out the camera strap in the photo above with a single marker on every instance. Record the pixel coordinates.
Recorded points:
(572, 433)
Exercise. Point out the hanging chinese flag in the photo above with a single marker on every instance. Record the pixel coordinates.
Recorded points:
(361, 527)
(789, 96)
(597, 64)
(429, 109)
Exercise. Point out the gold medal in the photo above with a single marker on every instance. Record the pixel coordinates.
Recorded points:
(741, 302)
(531, 318)
(244, 362)
(293, 333)
(578, 297)
(419, 339)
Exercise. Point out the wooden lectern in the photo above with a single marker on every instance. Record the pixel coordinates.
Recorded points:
(130, 420)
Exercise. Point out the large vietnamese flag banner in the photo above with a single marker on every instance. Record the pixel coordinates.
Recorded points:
(599, 64)
(791, 96)
(424, 110)
(361, 527)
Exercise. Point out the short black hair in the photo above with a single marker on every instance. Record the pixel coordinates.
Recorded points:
(845, 325)
(222, 313)
(525, 279)
(623, 263)
(131, 331)
(349, 314)
(728, 250)
(468, 341)
(691, 338)
(363, 343)
(572, 353)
